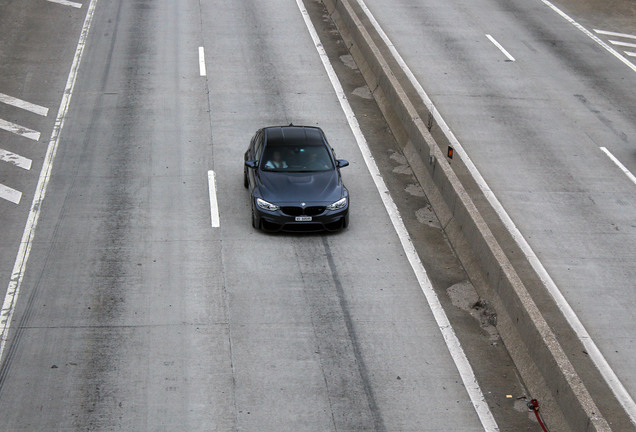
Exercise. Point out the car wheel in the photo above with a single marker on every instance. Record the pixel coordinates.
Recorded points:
(345, 222)
(245, 180)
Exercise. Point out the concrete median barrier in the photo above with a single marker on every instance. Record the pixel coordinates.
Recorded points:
(542, 363)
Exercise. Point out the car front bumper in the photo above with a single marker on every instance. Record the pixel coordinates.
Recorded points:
(292, 221)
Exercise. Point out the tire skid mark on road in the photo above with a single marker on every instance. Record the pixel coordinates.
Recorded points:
(341, 361)
(455, 349)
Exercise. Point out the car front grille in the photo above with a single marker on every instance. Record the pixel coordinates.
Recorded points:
(306, 211)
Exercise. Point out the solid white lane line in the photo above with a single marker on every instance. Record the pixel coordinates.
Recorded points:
(67, 3)
(202, 71)
(19, 268)
(501, 48)
(630, 53)
(15, 159)
(619, 164)
(611, 50)
(609, 33)
(214, 206)
(452, 342)
(10, 194)
(19, 130)
(36, 109)
(623, 44)
(595, 354)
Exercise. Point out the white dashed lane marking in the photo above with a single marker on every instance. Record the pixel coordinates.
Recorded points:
(214, 206)
(501, 48)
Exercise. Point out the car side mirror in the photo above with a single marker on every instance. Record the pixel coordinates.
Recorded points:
(341, 163)
(251, 163)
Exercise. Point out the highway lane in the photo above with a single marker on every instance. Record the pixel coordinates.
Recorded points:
(136, 314)
(534, 127)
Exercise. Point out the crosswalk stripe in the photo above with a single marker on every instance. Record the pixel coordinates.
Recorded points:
(20, 130)
(15, 159)
(623, 44)
(10, 194)
(67, 3)
(36, 109)
(609, 33)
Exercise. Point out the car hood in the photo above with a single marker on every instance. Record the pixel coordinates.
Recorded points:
(312, 187)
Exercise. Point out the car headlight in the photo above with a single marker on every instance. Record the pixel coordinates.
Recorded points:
(341, 203)
(266, 205)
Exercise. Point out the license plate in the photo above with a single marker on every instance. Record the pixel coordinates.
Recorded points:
(303, 218)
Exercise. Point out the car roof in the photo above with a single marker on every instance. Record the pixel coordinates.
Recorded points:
(294, 136)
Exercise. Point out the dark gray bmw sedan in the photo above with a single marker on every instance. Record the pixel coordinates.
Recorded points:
(294, 179)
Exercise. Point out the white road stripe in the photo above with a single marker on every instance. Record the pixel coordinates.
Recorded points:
(623, 44)
(501, 48)
(202, 71)
(10, 194)
(595, 354)
(612, 51)
(214, 206)
(15, 159)
(36, 109)
(630, 53)
(67, 3)
(452, 342)
(19, 130)
(609, 33)
(619, 164)
(19, 267)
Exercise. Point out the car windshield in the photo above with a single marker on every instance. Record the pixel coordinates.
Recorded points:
(307, 158)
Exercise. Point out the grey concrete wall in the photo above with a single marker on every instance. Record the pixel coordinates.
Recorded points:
(540, 359)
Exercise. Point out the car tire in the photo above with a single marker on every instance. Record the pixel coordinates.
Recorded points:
(246, 182)
(345, 222)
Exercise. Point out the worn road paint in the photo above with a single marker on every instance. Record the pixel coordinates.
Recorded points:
(67, 3)
(15, 159)
(20, 130)
(10, 194)
(28, 106)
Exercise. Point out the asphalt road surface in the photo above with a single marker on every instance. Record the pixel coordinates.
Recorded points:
(135, 312)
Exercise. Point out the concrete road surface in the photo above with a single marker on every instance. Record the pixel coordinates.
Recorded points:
(544, 102)
(135, 312)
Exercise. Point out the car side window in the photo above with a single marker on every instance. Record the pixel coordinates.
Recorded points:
(258, 145)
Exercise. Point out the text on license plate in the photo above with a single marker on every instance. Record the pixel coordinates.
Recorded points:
(303, 218)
